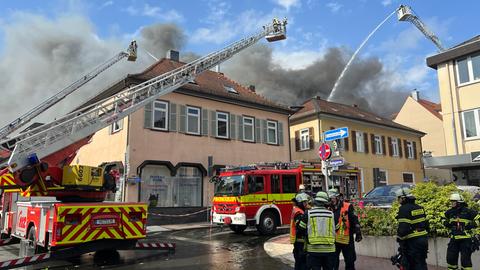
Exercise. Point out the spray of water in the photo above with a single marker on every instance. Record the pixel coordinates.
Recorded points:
(332, 93)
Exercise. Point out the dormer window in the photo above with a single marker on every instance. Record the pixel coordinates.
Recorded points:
(230, 89)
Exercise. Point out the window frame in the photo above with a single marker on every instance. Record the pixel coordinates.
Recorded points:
(227, 121)
(378, 144)
(395, 147)
(469, 70)
(476, 116)
(410, 153)
(187, 114)
(413, 177)
(360, 136)
(252, 125)
(120, 126)
(276, 132)
(167, 111)
(307, 139)
(386, 174)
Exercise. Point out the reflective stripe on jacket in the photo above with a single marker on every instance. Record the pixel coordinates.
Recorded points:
(320, 227)
(293, 231)
(343, 225)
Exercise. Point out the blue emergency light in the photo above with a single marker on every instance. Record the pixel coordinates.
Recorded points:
(33, 159)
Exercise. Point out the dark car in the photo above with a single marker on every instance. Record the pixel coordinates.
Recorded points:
(382, 196)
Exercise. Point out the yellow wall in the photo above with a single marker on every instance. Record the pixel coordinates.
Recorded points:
(394, 166)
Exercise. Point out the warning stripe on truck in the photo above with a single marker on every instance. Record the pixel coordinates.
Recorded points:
(7, 180)
(125, 226)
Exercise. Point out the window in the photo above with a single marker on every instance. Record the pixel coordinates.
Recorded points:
(471, 124)
(379, 177)
(248, 129)
(160, 115)
(272, 137)
(230, 89)
(468, 69)
(410, 154)
(222, 125)
(408, 177)
(117, 126)
(395, 147)
(360, 141)
(275, 183)
(289, 183)
(255, 184)
(378, 145)
(193, 120)
(304, 139)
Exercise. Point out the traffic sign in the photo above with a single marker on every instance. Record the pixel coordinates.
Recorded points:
(336, 134)
(324, 151)
(475, 156)
(336, 162)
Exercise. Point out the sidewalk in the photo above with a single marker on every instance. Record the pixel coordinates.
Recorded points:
(280, 248)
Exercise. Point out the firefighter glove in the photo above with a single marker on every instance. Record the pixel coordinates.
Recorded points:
(358, 237)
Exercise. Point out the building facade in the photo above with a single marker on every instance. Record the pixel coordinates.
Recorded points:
(382, 151)
(171, 148)
(459, 85)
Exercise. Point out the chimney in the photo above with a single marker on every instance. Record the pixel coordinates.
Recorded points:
(252, 88)
(415, 95)
(173, 55)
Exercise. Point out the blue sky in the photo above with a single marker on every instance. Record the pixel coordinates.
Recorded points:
(313, 27)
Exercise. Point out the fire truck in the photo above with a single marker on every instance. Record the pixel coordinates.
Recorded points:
(261, 195)
(56, 207)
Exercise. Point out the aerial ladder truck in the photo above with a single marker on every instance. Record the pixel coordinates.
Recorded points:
(76, 219)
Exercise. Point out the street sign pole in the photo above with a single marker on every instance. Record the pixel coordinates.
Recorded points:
(325, 168)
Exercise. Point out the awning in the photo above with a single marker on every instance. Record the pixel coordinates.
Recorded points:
(449, 162)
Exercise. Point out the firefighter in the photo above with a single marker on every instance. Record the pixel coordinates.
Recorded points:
(412, 231)
(300, 204)
(347, 226)
(460, 220)
(320, 240)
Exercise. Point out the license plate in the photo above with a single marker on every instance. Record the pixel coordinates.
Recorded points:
(107, 221)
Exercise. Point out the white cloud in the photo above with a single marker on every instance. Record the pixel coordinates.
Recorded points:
(287, 4)
(106, 4)
(387, 2)
(155, 12)
(217, 10)
(334, 6)
(295, 60)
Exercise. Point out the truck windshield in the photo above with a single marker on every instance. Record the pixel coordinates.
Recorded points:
(229, 185)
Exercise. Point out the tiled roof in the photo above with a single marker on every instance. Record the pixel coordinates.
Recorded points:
(318, 105)
(434, 108)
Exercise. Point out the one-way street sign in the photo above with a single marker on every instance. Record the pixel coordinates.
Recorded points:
(336, 134)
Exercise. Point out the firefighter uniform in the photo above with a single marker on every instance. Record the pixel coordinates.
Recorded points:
(412, 231)
(297, 239)
(318, 225)
(460, 220)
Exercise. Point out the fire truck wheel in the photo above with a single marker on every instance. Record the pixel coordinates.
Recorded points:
(238, 228)
(268, 223)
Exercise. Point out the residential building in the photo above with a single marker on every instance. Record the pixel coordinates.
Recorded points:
(382, 151)
(428, 119)
(173, 146)
(458, 71)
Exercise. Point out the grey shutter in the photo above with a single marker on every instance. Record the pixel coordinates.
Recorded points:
(240, 128)
(280, 133)
(257, 131)
(148, 116)
(232, 118)
(172, 121)
(183, 119)
(213, 126)
(263, 124)
(110, 128)
(204, 122)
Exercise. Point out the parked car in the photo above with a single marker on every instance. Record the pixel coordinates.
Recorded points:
(473, 190)
(382, 196)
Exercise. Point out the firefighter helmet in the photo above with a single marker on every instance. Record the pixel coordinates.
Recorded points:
(333, 193)
(456, 197)
(301, 187)
(404, 192)
(302, 197)
(321, 196)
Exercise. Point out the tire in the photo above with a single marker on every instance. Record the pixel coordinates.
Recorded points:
(268, 223)
(238, 229)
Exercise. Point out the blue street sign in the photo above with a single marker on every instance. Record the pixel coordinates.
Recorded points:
(336, 162)
(336, 134)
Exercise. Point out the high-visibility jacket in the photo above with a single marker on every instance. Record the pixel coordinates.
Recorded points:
(293, 231)
(461, 220)
(412, 221)
(343, 225)
(319, 224)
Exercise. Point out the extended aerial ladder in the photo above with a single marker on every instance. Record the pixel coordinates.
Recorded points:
(16, 124)
(405, 13)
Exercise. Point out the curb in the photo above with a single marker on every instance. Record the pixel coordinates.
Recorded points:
(278, 251)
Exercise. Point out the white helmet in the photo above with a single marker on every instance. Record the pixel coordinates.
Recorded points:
(456, 197)
(301, 187)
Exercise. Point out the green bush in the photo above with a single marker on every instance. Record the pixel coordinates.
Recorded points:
(432, 197)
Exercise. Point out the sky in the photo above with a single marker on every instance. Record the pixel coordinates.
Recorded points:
(92, 31)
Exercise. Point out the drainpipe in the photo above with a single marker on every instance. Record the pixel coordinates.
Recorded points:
(452, 107)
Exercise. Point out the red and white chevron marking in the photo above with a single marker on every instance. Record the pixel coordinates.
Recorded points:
(155, 245)
(5, 241)
(24, 261)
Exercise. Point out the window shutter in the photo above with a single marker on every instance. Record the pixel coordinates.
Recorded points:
(148, 116)
(399, 147)
(263, 124)
(240, 128)
(213, 122)
(384, 150)
(414, 150)
(110, 128)
(204, 122)
(405, 148)
(345, 144)
(173, 117)
(373, 144)
(311, 140)
(257, 131)
(297, 140)
(183, 119)
(390, 146)
(233, 126)
(365, 139)
(354, 141)
(280, 133)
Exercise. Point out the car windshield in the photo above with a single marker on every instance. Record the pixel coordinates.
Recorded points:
(229, 185)
(383, 191)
